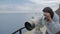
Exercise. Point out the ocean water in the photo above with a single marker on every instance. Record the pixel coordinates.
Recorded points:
(10, 22)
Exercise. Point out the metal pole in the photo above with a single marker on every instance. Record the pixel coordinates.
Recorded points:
(19, 30)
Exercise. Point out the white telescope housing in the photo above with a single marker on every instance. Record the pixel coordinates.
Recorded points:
(33, 22)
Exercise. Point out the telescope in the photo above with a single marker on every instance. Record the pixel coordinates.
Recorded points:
(30, 24)
(33, 23)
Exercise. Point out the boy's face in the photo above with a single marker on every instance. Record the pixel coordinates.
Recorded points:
(47, 15)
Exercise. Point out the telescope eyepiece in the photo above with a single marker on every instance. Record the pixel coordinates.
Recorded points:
(29, 26)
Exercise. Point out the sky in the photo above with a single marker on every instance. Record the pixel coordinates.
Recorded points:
(13, 21)
(27, 6)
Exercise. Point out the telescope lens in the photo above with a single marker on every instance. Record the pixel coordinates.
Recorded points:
(28, 26)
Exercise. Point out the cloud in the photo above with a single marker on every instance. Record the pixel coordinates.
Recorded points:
(54, 4)
(45, 1)
(35, 7)
(27, 8)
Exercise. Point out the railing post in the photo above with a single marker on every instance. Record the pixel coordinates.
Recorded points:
(19, 30)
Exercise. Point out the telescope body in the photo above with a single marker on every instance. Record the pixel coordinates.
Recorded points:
(32, 23)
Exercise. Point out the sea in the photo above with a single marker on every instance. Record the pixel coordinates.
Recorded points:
(10, 22)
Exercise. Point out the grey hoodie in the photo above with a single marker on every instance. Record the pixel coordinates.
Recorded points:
(52, 27)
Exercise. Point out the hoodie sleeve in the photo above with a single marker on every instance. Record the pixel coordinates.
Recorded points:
(56, 18)
(53, 25)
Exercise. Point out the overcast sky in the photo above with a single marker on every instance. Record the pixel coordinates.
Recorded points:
(27, 6)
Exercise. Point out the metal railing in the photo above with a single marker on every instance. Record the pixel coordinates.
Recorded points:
(19, 30)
